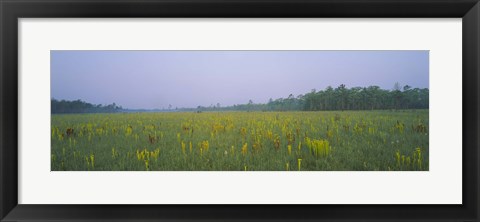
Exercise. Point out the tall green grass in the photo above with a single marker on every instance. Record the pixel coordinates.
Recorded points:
(238, 141)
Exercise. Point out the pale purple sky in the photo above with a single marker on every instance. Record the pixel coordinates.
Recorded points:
(155, 79)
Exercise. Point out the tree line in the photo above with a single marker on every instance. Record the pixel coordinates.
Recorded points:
(357, 98)
(79, 106)
(340, 98)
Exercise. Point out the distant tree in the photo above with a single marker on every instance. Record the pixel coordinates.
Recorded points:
(78, 106)
(397, 95)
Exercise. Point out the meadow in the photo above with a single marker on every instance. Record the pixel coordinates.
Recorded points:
(241, 141)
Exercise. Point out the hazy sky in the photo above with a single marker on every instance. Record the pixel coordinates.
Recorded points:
(155, 79)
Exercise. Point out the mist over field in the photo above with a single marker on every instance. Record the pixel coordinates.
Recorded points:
(160, 79)
(240, 110)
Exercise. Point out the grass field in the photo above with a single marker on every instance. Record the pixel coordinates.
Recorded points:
(239, 141)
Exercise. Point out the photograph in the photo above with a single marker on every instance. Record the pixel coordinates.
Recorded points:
(239, 110)
(282, 110)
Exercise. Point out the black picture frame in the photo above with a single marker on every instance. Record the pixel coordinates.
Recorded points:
(12, 10)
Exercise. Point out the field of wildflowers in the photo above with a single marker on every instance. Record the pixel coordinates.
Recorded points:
(241, 141)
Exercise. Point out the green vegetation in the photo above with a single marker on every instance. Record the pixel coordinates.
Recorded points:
(340, 98)
(79, 106)
(238, 141)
